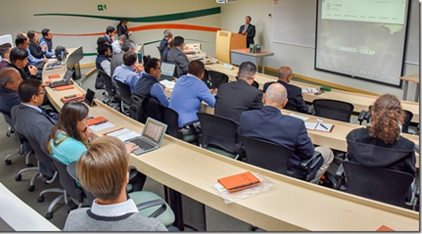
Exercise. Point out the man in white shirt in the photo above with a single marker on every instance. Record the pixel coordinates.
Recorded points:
(117, 44)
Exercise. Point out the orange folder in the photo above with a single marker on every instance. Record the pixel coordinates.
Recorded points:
(96, 121)
(64, 87)
(54, 76)
(384, 229)
(239, 181)
(77, 97)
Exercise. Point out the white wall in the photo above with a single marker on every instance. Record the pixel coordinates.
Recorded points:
(300, 59)
(19, 16)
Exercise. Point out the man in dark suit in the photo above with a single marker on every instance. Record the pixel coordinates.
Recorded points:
(28, 118)
(10, 80)
(249, 30)
(235, 97)
(168, 34)
(270, 124)
(294, 93)
(176, 56)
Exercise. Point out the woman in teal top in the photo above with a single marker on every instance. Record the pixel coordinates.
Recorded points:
(69, 139)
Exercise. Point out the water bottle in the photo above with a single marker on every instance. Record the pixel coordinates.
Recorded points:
(139, 57)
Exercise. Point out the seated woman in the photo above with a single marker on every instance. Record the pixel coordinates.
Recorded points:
(34, 46)
(380, 144)
(148, 85)
(103, 171)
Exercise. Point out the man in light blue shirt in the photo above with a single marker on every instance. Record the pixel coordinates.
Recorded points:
(117, 44)
(189, 92)
(128, 73)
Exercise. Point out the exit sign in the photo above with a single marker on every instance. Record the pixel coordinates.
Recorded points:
(102, 7)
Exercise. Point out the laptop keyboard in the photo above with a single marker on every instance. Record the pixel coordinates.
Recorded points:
(142, 144)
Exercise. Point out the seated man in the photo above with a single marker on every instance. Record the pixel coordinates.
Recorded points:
(168, 34)
(117, 44)
(128, 73)
(235, 97)
(294, 93)
(47, 42)
(176, 56)
(109, 34)
(19, 61)
(270, 124)
(189, 92)
(5, 54)
(28, 118)
(9, 83)
(117, 59)
(103, 171)
(22, 42)
(102, 61)
(167, 49)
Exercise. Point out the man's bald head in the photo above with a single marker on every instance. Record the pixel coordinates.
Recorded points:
(285, 73)
(276, 95)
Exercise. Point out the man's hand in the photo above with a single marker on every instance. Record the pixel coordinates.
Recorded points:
(214, 91)
(33, 70)
(45, 60)
(244, 32)
(130, 147)
(47, 83)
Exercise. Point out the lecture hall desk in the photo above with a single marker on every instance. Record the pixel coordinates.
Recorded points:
(291, 205)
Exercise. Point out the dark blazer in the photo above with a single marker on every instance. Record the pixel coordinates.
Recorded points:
(8, 99)
(235, 97)
(373, 152)
(116, 61)
(122, 30)
(176, 56)
(250, 35)
(23, 72)
(294, 94)
(271, 125)
(163, 45)
(35, 50)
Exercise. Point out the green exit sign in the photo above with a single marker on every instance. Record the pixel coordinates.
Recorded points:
(102, 7)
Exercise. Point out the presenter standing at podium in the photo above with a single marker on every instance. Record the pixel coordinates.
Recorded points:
(249, 30)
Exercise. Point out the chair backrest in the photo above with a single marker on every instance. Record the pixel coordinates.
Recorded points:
(333, 109)
(7, 118)
(46, 166)
(381, 184)
(206, 78)
(135, 103)
(107, 82)
(171, 117)
(407, 119)
(220, 131)
(255, 84)
(67, 182)
(159, 51)
(142, 110)
(217, 78)
(155, 109)
(291, 106)
(125, 92)
(266, 154)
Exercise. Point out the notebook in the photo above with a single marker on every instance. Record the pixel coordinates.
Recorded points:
(167, 71)
(319, 126)
(150, 138)
(64, 81)
(239, 181)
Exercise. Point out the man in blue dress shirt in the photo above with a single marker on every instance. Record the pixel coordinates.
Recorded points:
(128, 73)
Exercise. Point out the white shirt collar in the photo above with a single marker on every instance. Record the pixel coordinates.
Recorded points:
(118, 209)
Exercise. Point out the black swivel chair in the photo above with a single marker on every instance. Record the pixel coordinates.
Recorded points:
(125, 95)
(220, 135)
(291, 106)
(275, 157)
(255, 84)
(217, 78)
(381, 184)
(407, 119)
(109, 87)
(333, 109)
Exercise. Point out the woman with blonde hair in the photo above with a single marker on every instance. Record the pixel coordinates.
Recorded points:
(380, 144)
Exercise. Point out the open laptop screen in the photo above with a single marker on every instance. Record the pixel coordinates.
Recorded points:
(167, 69)
(154, 130)
(68, 75)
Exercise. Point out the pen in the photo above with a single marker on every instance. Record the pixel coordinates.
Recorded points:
(244, 185)
(323, 126)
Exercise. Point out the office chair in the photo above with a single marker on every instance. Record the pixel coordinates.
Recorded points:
(275, 157)
(8, 120)
(255, 84)
(366, 115)
(109, 87)
(217, 78)
(291, 106)
(380, 184)
(219, 134)
(140, 105)
(333, 109)
(125, 95)
(407, 119)
(149, 204)
(48, 173)
(135, 103)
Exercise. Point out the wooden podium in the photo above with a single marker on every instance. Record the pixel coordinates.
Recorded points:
(227, 41)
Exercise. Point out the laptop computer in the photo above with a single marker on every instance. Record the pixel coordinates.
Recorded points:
(150, 138)
(64, 81)
(167, 71)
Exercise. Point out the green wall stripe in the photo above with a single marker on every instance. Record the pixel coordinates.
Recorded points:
(159, 18)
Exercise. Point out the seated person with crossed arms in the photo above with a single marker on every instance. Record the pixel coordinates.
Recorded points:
(270, 124)
(103, 171)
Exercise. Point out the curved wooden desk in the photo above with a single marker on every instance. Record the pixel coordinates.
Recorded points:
(359, 101)
(292, 205)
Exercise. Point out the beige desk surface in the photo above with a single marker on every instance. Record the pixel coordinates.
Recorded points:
(411, 78)
(290, 205)
(359, 101)
(246, 51)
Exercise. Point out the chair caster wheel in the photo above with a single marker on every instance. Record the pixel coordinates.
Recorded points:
(29, 165)
(18, 177)
(8, 134)
(8, 162)
(49, 215)
(40, 199)
(31, 188)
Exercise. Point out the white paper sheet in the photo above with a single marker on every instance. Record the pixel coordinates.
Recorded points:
(101, 126)
(310, 90)
(304, 118)
(169, 84)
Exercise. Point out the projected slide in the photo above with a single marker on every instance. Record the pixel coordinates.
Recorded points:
(362, 38)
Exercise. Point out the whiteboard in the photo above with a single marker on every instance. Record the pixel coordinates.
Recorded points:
(293, 23)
